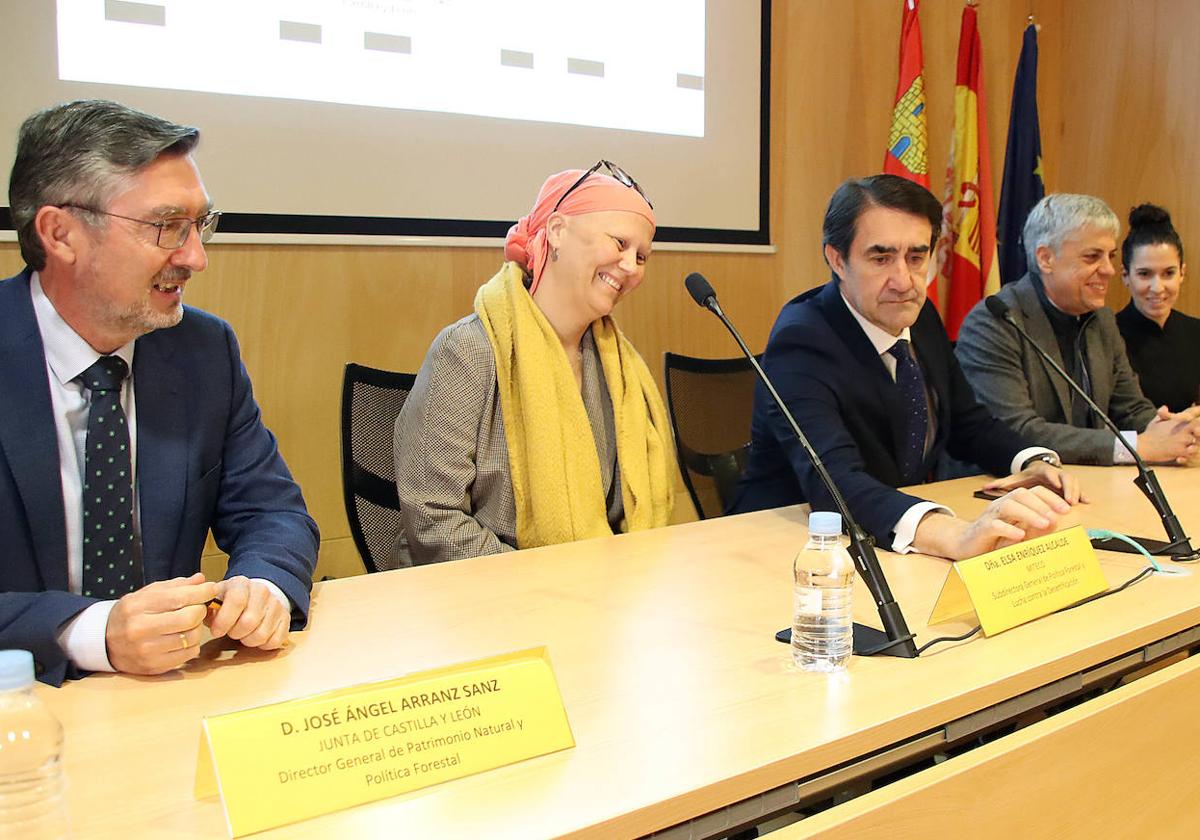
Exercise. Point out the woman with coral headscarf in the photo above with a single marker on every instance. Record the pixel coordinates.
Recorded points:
(533, 421)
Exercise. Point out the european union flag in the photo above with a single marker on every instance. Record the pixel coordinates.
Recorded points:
(1023, 186)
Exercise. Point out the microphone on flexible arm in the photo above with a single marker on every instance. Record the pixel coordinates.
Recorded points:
(895, 640)
(1179, 547)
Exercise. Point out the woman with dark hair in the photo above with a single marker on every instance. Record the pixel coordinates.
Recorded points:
(533, 421)
(1163, 344)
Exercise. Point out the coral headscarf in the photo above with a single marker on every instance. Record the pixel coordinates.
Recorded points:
(526, 241)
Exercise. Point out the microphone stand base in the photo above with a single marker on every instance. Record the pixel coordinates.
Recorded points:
(871, 642)
(1177, 551)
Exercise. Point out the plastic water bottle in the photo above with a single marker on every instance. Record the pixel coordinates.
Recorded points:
(823, 625)
(32, 795)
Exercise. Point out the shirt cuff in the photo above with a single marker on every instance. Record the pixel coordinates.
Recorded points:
(277, 593)
(1120, 453)
(906, 528)
(83, 638)
(1025, 454)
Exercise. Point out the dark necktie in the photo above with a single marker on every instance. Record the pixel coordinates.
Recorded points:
(109, 570)
(915, 421)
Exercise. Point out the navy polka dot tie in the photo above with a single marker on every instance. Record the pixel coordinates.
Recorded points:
(108, 563)
(915, 421)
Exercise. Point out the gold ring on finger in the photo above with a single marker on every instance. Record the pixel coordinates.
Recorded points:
(183, 641)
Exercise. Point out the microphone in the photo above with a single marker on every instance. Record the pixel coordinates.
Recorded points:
(895, 640)
(702, 291)
(998, 308)
(1179, 547)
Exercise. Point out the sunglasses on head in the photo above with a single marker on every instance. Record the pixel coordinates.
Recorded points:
(617, 172)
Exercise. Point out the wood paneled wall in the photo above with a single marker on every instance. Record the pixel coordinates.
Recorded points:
(1130, 114)
(301, 312)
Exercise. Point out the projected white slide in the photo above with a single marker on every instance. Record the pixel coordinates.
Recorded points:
(392, 120)
(631, 65)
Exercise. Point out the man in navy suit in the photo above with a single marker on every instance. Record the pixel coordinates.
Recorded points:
(129, 428)
(865, 365)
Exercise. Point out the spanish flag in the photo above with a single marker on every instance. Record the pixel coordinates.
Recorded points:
(970, 267)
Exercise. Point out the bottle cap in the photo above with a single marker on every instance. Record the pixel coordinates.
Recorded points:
(825, 523)
(16, 669)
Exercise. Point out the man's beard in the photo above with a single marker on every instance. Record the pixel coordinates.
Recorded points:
(142, 318)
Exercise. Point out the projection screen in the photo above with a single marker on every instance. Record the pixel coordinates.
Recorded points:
(386, 119)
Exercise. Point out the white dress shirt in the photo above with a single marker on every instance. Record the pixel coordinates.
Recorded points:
(906, 528)
(67, 356)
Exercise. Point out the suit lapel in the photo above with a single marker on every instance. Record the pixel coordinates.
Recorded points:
(27, 432)
(162, 440)
(838, 316)
(1100, 374)
(1039, 329)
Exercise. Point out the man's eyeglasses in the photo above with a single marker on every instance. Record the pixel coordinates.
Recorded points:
(617, 172)
(172, 233)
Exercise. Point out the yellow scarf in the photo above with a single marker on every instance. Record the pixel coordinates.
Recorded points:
(556, 478)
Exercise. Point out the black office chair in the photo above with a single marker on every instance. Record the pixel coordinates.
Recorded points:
(371, 401)
(711, 402)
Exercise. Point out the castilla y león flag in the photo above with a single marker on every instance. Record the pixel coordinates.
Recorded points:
(907, 155)
(907, 152)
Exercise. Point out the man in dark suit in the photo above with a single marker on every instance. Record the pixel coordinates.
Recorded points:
(865, 366)
(129, 427)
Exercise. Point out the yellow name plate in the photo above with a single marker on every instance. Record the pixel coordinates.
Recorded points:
(1016, 584)
(289, 761)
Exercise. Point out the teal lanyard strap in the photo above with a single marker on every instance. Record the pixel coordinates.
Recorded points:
(1102, 534)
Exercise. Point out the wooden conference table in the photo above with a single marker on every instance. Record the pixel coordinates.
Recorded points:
(687, 714)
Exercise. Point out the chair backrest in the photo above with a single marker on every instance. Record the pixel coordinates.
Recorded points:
(711, 402)
(371, 402)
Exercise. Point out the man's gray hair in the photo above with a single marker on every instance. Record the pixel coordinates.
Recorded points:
(1058, 215)
(78, 154)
